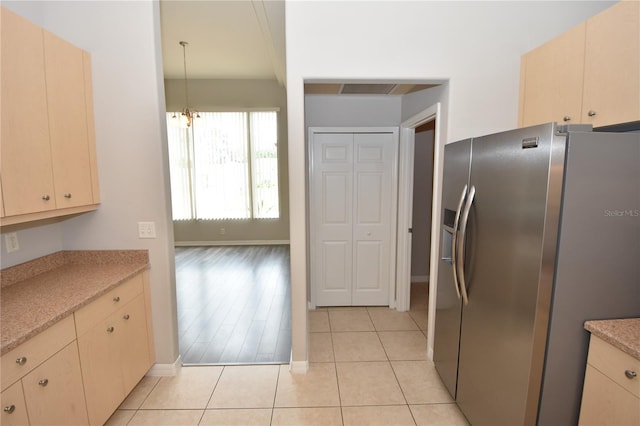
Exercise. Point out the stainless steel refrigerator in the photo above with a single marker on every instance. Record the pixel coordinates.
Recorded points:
(540, 232)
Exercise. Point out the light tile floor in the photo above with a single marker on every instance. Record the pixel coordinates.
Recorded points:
(368, 366)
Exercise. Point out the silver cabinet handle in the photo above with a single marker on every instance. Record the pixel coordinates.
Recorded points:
(566, 118)
(126, 317)
(454, 255)
(67, 195)
(43, 382)
(463, 232)
(9, 409)
(110, 329)
(630, 374)
(22, 360)
(591, 113)
(116, 299)
(46, 197)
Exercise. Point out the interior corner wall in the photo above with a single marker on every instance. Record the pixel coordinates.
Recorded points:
(476, 46)
(217, 95)
(124, 41)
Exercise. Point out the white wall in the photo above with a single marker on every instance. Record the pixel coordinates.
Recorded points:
(352, 110)
(124, 40)
(475, 45)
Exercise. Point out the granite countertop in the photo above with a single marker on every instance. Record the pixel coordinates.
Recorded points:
(37, 294)
(624, 334)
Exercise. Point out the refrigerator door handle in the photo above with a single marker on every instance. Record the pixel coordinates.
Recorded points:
(461, 243)
(454, 245)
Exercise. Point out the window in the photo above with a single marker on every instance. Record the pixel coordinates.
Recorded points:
(225, 166)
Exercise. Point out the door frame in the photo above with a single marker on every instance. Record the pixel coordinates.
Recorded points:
(406, 156)
(394, 205)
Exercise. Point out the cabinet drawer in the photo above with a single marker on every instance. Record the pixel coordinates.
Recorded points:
(26, 357)
(613, 363)
(107, 304)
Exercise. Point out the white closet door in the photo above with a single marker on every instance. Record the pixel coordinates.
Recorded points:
(332, 219)
(352, 199)
(374, 156)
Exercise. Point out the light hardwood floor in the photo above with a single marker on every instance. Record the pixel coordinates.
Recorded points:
(234, 304)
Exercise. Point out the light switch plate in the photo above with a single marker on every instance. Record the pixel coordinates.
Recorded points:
(11, 240)
(146, 229)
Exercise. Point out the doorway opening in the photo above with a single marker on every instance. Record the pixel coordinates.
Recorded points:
(234, 304)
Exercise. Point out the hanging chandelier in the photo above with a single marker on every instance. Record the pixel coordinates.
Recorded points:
(186, 116)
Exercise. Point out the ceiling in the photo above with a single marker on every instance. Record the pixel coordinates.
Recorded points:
(241, 39)
(227, 39)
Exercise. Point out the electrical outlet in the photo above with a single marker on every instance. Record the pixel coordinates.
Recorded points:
(223, 231)
(11, 241)
(146, 229)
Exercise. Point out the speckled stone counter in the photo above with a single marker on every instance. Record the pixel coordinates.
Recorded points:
(37, 294)
(624, 334)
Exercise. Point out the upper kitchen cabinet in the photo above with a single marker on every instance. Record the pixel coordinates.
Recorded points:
(48, 163)
(588, 74)
(612, 71)
(553, 78)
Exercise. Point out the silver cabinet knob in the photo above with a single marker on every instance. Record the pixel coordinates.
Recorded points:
(126, 317)
(630, 374)
(591, 113)
(110, 330)
(67, 195)
(9, 409)
(46, 197)
(566, 118)
(43, 382)
(22, 360)
(116, 299)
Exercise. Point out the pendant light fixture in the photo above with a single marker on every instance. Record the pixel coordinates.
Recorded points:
(186, 116)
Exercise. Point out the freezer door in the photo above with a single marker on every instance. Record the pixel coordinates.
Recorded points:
(448, 303)
(509, 172)
(598, 273)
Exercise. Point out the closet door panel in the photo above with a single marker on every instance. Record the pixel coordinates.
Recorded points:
(332, 219)
(373, 165)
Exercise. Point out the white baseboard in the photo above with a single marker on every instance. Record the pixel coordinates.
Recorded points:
(166, 369)
(299, 367)
(419, 278)
(231, 243)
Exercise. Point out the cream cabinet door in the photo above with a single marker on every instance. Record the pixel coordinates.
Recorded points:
(352, 201)
(27, 175)
(14, 410)
(552, 80)
(606, 403)
(134, 342)
(612, 66)
(101, 358)
(53, 391)
(70, 154)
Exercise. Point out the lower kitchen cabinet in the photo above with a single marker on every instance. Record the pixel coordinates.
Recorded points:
(611, 394)
(41, 380)
(14, 409)
(53, 390)
(114, 351)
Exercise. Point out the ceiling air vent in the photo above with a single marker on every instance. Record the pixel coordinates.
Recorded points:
(367, 89)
